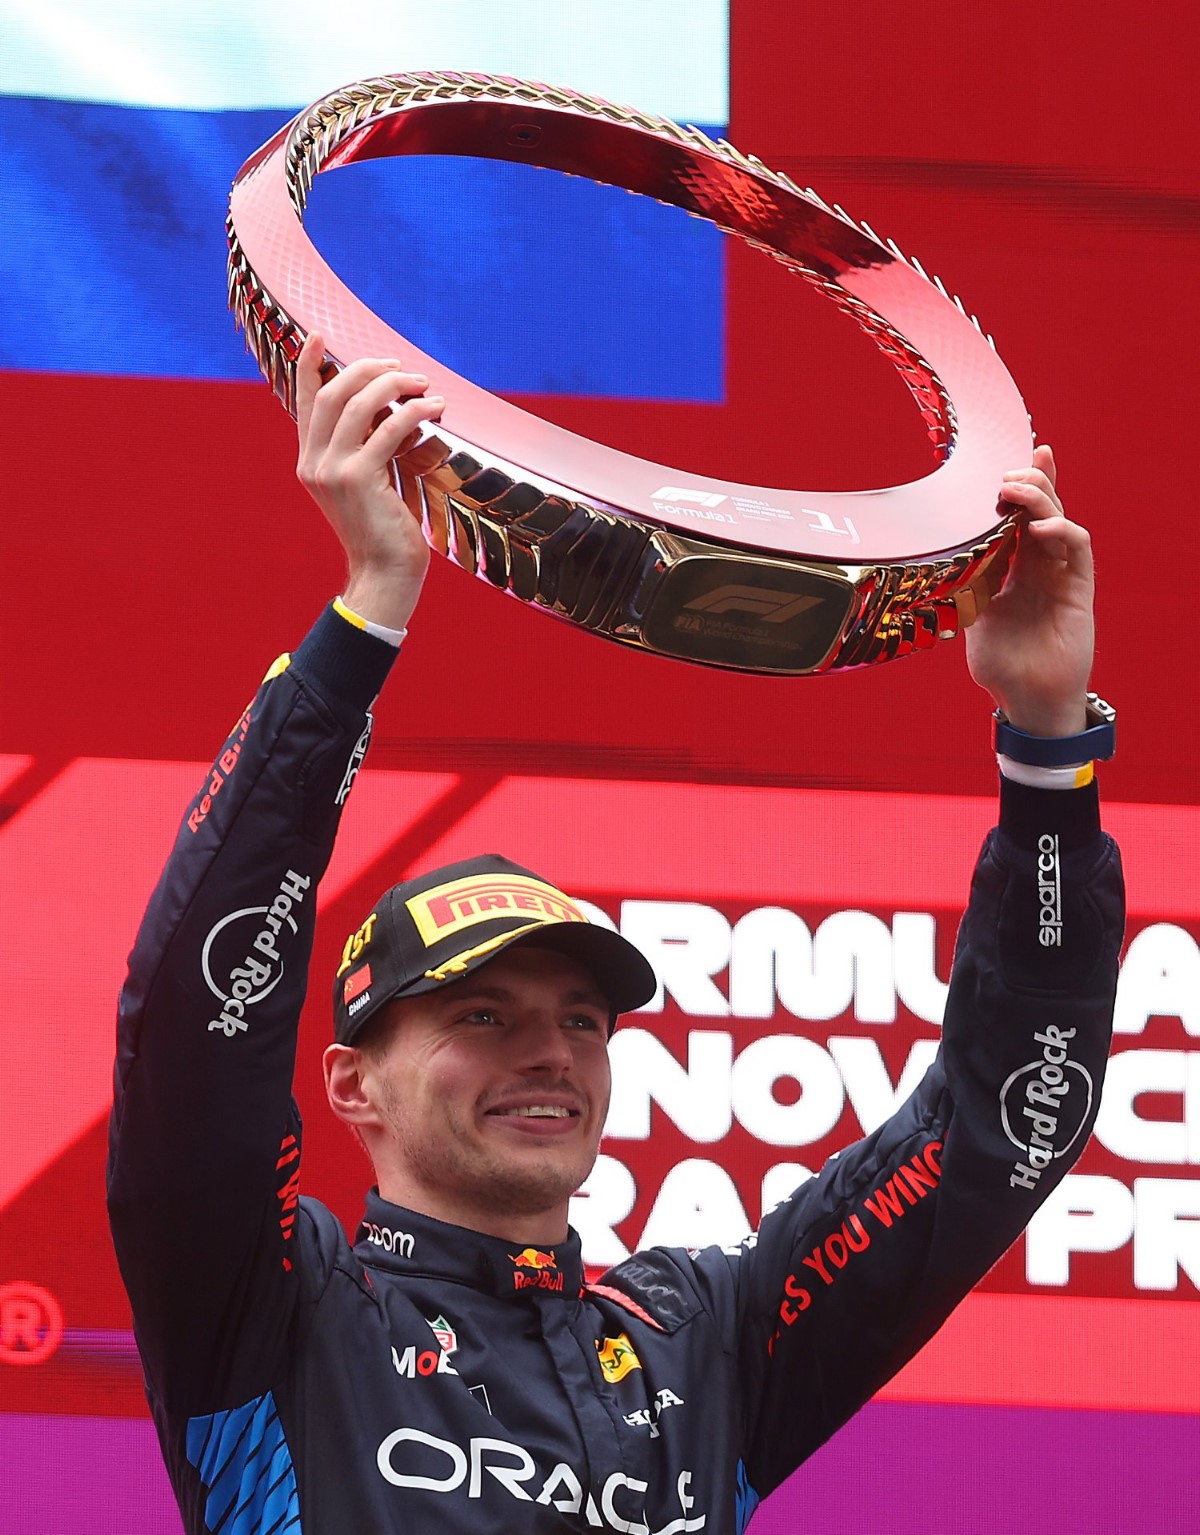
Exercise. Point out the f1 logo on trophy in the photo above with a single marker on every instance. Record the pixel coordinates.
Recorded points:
(746, 577)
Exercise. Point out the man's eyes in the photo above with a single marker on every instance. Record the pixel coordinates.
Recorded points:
(584, 1022)
(589, 1021)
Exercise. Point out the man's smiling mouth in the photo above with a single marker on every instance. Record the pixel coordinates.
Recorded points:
(537, 1111)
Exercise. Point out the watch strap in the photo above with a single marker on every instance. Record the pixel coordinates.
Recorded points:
(1096, 743)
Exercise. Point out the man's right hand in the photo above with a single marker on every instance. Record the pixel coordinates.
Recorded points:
(348, 438)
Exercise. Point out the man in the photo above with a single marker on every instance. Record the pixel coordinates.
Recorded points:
(452, 1370)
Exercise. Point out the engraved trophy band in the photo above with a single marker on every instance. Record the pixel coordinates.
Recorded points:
(747, 577)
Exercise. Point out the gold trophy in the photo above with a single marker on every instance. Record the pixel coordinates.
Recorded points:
(746, 577)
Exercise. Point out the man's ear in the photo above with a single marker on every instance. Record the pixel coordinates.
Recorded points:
(345, 1085)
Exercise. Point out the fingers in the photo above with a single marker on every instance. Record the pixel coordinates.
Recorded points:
(1033, 490)
(1045, 523)
(364, 412)
(308, 379)
(345, 409)
(1043, 459)
(1063, 539)
(383, 416)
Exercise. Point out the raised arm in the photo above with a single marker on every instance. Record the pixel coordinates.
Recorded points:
(847, 1278)
(205, 1140)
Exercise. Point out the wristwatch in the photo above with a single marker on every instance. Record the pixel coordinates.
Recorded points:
(1095, 744)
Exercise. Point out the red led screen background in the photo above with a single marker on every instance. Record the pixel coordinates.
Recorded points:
(158, 555)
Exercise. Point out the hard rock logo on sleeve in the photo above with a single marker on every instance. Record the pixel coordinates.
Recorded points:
(1044, 1105)
(242, 957)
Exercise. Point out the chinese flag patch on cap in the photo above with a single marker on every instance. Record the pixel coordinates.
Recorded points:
(356, 982)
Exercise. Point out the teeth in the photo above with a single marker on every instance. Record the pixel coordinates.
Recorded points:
(541, 1111)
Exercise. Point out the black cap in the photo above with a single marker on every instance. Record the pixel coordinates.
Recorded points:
(438, 927)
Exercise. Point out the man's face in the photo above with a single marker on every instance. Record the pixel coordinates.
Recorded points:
(492, 1092)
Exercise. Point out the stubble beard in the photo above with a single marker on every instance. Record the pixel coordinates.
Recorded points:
(456, 1170)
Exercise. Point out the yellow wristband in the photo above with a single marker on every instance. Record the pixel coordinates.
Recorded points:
(1074, 775)
(380, 631)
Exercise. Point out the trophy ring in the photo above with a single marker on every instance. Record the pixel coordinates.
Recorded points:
(747, 577)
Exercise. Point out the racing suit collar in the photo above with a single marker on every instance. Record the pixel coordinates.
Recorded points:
(400, 1241)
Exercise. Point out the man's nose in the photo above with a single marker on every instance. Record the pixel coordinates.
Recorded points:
(544, 1046)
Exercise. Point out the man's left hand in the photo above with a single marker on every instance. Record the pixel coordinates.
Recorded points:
(1032, 646)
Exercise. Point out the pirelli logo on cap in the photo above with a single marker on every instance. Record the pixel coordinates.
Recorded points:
(461, 903)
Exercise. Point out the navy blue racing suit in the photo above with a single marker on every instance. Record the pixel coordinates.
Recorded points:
(432, 1378)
